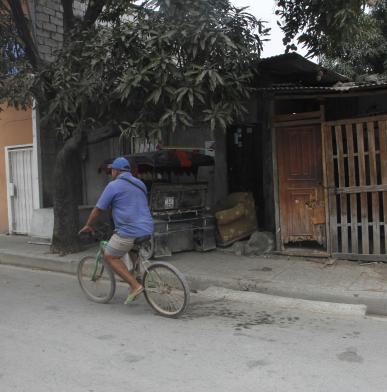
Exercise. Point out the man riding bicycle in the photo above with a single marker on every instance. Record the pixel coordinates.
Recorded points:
(127, 196)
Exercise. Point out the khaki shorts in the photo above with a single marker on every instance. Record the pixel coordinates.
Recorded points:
(119, 246)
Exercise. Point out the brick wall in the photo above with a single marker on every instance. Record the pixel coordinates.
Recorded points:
(47, 17)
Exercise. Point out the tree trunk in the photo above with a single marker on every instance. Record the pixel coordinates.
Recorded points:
(65, 237)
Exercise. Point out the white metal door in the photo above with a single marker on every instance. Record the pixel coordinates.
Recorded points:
(20, 188)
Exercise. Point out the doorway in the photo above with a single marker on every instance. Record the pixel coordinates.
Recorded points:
(20, 189)
(244, 162)
(300, 190)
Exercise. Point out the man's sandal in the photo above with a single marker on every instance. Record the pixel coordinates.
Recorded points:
(133, 295)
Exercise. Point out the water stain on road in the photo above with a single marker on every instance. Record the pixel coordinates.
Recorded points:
(105, 337)
(263, 269)
(53, 308)
(352, 335)
(132, 358)
(268, 340)
(350, 355)
(258, 363)
(242, 320)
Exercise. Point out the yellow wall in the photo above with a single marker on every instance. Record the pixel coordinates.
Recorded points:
(15, 128)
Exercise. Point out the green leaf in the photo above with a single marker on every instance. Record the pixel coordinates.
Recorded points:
(166, 116)
(183, 91)
(191, 97)
(201, 76)
(213, 123)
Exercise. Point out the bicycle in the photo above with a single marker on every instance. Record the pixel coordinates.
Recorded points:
(165, 288)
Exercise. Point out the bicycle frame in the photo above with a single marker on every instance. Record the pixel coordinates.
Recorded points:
(140, 261)
(99, 259)
(158, 291)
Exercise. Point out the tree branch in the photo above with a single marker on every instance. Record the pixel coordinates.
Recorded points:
(68, 15)
(24, 32)
(93, 11)
(104, 133)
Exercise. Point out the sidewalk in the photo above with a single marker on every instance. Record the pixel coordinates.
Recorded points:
(311, 279)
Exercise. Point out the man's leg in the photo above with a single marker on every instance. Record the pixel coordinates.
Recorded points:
(119, 267)
(116, 248)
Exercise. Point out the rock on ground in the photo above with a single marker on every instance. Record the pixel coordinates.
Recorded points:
(260, 243)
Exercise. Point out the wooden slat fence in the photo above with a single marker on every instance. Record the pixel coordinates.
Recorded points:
(356, 177)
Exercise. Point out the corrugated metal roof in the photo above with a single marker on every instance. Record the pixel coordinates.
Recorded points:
(338, 87)
(294, 67)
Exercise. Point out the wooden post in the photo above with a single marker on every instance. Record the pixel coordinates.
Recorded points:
(343, 198)
(330, 187)
(278, 236)
(352, 183)
(362, 182)
(383, 169)
(375, 195)
(325, 157)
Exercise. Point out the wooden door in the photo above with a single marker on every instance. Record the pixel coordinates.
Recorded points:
(301, 195)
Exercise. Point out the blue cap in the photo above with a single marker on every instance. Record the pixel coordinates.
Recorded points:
(121, 164)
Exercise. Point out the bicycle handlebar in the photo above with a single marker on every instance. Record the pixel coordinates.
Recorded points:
(96, 234)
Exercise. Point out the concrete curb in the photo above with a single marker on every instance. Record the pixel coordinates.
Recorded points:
(288, 303)
(375, 303)
(38, 262)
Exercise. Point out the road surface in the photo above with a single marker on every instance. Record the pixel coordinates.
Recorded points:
(53, 339)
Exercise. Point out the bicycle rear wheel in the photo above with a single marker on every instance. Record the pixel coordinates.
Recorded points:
(166, 289)
(96, 279)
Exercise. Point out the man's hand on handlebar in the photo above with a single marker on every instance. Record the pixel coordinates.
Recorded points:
(87, 229)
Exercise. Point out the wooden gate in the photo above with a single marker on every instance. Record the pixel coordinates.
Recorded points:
(356, 180)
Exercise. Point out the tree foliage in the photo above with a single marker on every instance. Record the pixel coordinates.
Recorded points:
(349, 35)
(13, 60)
(129, 68)
(367, 53)
(161, 65)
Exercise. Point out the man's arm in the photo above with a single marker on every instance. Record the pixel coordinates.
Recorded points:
(94, 215)
(103, 204)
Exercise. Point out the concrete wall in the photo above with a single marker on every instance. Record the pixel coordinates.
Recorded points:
(15, 129)
(215, 176)
(93, 181)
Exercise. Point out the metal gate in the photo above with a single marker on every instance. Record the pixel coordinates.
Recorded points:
(356, 180)
(20, 188)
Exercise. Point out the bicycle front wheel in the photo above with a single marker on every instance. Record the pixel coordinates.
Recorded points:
(166, 289)
(96, 279)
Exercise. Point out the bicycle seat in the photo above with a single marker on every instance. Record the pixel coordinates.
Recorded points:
(141, 240)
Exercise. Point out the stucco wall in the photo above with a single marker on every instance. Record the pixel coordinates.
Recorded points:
(15, 129)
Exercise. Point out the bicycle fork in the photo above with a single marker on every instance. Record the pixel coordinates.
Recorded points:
(99, 259)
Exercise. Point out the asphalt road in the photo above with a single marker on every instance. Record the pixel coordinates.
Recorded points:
(53, 339)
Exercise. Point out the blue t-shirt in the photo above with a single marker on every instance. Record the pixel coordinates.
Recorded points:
(130, 210)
